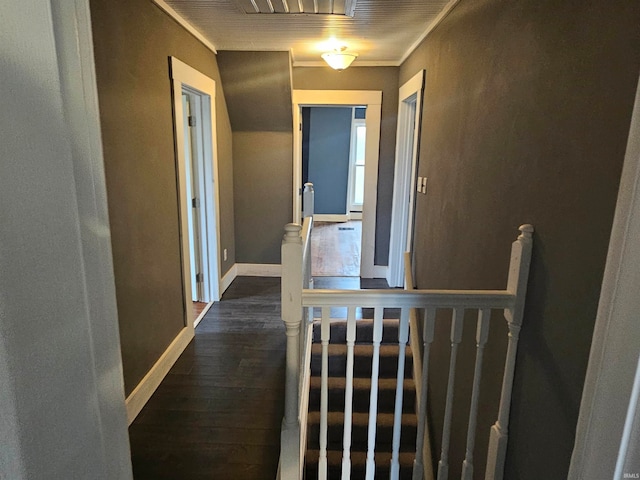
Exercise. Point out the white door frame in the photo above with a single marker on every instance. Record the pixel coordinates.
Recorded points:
(354, 212)
(404, 191)
(372, 100)
(187, 78)
(609, 397)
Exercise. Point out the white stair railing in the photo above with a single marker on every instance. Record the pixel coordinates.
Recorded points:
(295, 298)
(296, 250)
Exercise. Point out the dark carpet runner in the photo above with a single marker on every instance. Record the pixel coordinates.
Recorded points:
(363, 351)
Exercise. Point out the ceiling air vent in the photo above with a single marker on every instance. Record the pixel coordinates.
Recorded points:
(306, 7)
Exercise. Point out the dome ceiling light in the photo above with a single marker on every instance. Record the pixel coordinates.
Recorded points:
(339, 59)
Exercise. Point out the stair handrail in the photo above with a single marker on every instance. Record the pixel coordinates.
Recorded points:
(295, 298)
(424, 470)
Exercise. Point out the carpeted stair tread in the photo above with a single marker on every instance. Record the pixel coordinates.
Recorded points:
(362, 383)
(360, 418)
(362, 365)
(334, 458)
(364, 331)
(360, 350)
(362, 395)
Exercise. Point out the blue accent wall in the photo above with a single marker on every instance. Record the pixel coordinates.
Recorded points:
(328, 157)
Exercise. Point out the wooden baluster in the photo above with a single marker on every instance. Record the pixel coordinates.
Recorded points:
(427, 338)
(403, 338)
(291, 297)
(348, 395)
(325, 333)
(456, 338)
(373, 399)
(482, 334)
(517, 285)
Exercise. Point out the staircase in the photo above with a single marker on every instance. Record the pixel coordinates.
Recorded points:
(363, 352)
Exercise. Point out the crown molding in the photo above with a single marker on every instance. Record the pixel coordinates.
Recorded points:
(185, 24)
(436, 21)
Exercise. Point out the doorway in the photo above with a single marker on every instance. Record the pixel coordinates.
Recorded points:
(405, 187)
(371, 100)
(195, 134)
(333, 146)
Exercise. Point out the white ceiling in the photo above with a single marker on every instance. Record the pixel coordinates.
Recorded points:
(383, 32)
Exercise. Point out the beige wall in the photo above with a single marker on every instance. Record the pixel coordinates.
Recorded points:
(257, 87)
(526, 112)
(263, 175)
(367, 78)
(133, 40)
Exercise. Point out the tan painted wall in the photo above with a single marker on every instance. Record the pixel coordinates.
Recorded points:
(133, 41)
(257, 86)
(263, 174)
(526, 112)
(367, 78)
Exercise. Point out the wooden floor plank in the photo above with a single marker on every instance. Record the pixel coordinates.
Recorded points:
(335, 249)
(218, 412)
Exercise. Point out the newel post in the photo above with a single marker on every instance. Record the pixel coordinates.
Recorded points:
(308, 200)
(291, 291)
(517, 285)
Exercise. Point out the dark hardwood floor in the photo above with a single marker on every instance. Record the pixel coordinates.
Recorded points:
(218, 412)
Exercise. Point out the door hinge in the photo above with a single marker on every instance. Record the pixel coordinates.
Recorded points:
(300, 126)
(191, 120)
(195, 203)
(199, 278)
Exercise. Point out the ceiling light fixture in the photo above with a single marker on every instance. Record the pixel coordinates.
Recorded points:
(339, 59)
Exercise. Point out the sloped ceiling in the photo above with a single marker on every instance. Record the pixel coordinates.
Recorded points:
(257, 89)
(383, 32)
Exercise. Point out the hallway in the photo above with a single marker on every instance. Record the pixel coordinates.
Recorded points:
(217, 414)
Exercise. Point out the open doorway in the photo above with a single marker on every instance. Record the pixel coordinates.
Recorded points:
(358, 184)
(333, 159)
(194, 124)
(405, 186)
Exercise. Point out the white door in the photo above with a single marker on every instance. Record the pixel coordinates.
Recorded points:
(193, 197)
(404, 188)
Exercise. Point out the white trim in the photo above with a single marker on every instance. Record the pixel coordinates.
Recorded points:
(204, 311)
(441, 16)
(372, 99)
(353, 145)
(185, 77)
(71, 22)
(406, 162)
(616, 339)
(330, 217)
(145, 389)
(258, 269)
(380, 271)
(355, 215)
(360, 63)
(184, 23)
(228, 278)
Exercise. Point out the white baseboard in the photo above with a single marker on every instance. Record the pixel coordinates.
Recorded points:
(228, 278)
(380, 271)
(330, 218)
(142, 393)
(202, 314)
(258, 269)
